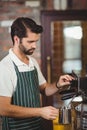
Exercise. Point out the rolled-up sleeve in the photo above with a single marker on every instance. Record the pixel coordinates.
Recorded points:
(6, 86)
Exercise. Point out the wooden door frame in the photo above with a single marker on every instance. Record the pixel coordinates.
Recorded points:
(48, 16)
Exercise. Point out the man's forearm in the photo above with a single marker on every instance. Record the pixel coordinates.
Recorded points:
(51, 89)
(19, 112)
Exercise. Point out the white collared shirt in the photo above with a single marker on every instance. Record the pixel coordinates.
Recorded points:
(8, 77)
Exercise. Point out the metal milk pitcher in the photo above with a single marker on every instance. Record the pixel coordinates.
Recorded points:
(65, 115)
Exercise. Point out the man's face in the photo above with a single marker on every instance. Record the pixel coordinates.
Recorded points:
(28, 44)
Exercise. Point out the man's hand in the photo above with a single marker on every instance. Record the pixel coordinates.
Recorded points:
(49, 113)
(64, 81)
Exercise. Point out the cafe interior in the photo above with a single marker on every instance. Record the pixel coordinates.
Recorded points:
(62, 49)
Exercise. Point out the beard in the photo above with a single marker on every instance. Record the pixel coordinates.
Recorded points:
(29, 51)
(25, 51)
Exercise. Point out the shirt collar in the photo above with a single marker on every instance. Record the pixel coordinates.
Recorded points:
(16, 60)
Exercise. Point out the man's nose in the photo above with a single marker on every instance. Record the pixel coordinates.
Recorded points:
(34, 45)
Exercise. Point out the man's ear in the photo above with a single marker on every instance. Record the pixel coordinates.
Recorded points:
(16, 39)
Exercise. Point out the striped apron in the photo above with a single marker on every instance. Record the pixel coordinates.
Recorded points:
(26, 95)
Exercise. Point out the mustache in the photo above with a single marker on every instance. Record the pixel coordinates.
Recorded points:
(31, 49)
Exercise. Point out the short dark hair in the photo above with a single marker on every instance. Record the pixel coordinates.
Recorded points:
(20, 26)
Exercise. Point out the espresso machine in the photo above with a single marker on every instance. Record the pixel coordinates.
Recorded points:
(77, 88)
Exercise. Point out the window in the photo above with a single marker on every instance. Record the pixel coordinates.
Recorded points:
(72, 48)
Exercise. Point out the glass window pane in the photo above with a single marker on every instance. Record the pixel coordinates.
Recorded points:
(72, 38)
(70, 65)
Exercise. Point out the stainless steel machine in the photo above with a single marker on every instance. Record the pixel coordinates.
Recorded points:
(77, 88)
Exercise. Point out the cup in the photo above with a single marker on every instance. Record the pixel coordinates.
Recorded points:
(64, 115)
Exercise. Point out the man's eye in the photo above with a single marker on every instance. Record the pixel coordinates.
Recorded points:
(30, 41)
